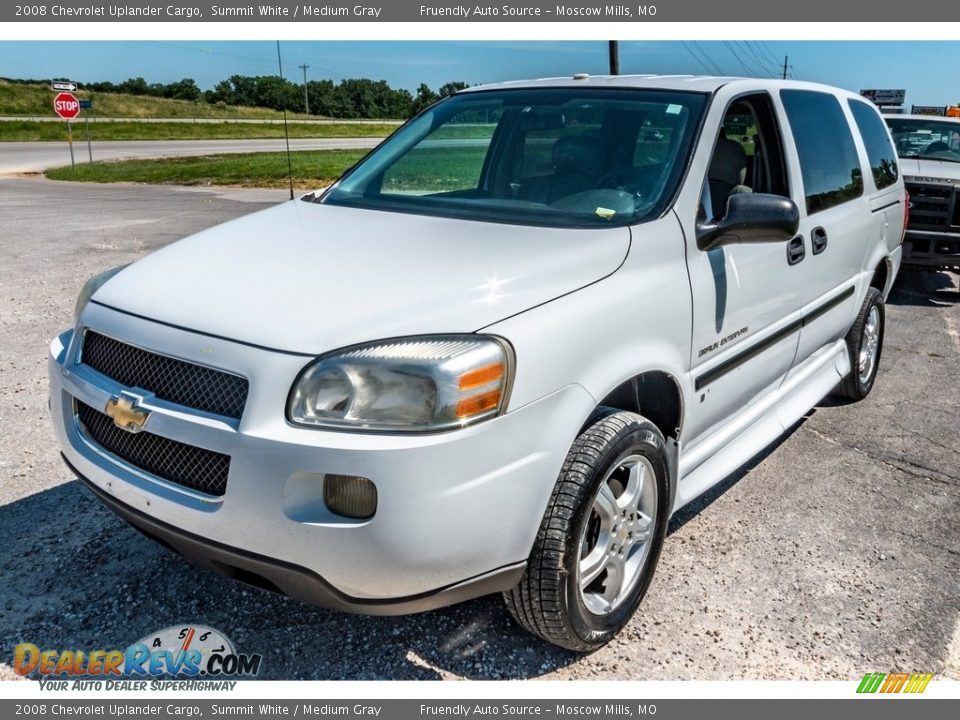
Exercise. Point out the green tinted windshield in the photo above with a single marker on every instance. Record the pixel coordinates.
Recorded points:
(559, 156)
(931, 139)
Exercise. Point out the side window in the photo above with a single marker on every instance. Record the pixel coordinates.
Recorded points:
(747, 155)
(828, 157)
(883, 157)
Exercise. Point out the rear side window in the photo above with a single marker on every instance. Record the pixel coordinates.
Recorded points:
(880, 150)
(828, 157)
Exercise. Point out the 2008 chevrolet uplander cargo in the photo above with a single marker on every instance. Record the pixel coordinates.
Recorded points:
(500, 352)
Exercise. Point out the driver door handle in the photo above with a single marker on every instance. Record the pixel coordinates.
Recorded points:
(796, 250)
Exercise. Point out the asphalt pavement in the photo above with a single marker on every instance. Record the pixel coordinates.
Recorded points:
(35, 157)
(834, 553)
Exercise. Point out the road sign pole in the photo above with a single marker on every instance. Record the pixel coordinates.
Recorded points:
(86, 125)
(68, 107)
(70, 143)
(85, 107)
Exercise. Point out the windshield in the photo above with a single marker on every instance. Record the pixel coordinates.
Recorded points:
(931, 139)
(567, 157)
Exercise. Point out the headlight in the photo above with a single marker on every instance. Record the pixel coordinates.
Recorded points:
(416, 384)
(89, 288)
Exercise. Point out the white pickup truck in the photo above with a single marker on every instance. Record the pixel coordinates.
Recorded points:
(929, 150)
(500, 352)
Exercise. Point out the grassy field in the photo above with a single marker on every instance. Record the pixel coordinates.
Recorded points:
(30, 100)
(424, 170)
(25, 102)
(264, 170)
(29, 131)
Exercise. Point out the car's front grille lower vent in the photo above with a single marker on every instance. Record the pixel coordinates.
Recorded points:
(195, 468)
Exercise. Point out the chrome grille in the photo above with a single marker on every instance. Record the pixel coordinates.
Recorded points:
(933, 207)
(176, 381)
(186, 465)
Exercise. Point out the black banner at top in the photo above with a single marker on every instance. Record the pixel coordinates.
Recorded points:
(298, 11)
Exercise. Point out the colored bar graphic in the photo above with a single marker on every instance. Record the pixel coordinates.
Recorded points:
(918, 682)
(894, 682)
(871, 682)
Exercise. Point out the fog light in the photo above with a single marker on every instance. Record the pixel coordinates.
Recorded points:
(354, 497)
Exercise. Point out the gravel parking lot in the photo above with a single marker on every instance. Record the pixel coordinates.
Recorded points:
(835, 553)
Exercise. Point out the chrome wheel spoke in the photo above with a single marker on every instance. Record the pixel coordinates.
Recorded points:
(636, 475)
(592, 565)
(644, 528)
(606, 505)
(616, 572)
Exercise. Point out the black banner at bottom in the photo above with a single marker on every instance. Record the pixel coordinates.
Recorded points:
(872, 707)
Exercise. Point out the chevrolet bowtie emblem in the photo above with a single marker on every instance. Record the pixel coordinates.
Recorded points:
(125, 413)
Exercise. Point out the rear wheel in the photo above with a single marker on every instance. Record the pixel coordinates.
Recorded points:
(864, 344)
(601, 536)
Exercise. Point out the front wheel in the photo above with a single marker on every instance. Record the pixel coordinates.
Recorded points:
(601, 535)
(864, 344)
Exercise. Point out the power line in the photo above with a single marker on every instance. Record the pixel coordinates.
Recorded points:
(739, 60)
(751, 56)
(771, 58)
(697, 58)
(765, 64)
(706, 55)
(779, 48)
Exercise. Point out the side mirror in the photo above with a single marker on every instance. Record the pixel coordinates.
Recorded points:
(750, 218)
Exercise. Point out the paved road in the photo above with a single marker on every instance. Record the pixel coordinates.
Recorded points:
(835, 553)
(32, 157)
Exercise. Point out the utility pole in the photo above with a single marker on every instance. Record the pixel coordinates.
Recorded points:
(306, 98)
(785, 58)
(614, 49)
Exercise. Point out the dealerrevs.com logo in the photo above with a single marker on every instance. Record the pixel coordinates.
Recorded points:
(191, 652)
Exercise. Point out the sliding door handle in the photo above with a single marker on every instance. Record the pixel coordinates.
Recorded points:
(796, 250)
(818, 240)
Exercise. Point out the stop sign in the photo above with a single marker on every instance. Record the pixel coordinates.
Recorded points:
(66, 105)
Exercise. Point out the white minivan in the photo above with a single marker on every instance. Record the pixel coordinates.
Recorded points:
(500, 352)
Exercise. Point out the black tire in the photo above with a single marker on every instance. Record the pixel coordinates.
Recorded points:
(547, 601)
(853, 387)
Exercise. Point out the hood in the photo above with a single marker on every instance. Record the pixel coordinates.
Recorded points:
(309, 278)
(926, 168)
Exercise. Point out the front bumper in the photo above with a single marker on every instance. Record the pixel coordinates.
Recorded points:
(935, 250)
(457, 512)
(297, 582)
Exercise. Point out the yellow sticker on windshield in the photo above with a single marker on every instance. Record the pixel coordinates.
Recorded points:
(605, 213)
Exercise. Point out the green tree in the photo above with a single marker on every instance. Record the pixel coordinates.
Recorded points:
(452, 87)
(424, 98)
